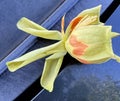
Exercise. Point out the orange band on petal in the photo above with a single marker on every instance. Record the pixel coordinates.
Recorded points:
(83, 61)
(75, 21)
(78, 51)
(78, 47)
(75, 43)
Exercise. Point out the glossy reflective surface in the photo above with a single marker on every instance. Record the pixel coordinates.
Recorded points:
(79, 82)
(13, 84)
(11, 12)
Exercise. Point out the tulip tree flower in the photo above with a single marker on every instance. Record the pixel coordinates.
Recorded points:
(86, 39)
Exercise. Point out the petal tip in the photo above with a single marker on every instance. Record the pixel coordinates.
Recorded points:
(20, 22)
(47, 87)
(10, 68)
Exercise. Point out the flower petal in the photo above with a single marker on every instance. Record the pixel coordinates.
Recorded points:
(95, 11)
(30, 27)
(72, 25)
(51, 69)
(34, 55)
(86, 17)
(92, 44)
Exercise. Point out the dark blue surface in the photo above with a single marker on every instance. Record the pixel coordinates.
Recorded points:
(13, 84)
(29, 41)
(80, 82)
(10, 13)
(115, 22)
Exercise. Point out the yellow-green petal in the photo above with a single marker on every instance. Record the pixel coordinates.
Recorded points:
(51, 69)
(95, 11)
(86, 17)
(34, 55)
(97, 39)
(32, 28)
